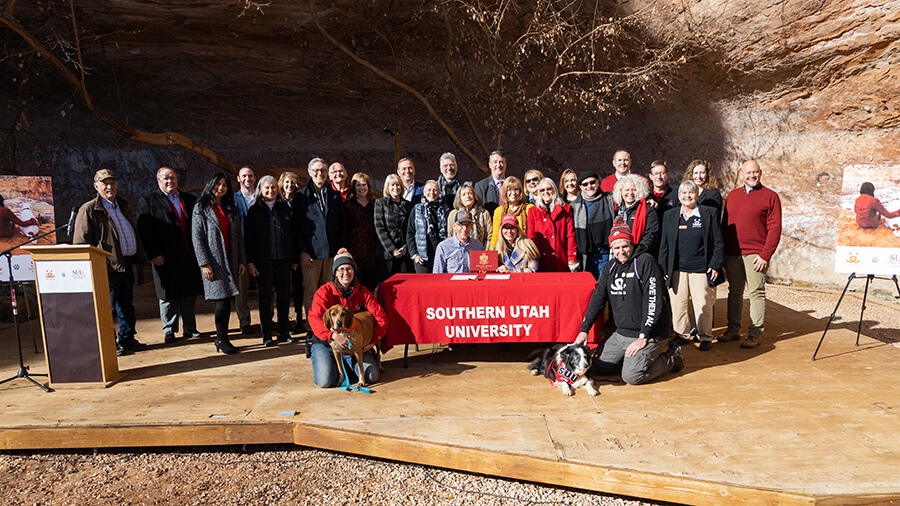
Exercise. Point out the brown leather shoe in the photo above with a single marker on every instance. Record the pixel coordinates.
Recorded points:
(729, 336)
(750, 342)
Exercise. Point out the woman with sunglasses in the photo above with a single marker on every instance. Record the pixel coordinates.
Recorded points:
(533, 177)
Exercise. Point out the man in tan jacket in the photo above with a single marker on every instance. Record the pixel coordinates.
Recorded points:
(108, 223)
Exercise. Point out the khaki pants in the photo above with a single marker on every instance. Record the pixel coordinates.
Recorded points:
(740, 272)
(692, 287)
(315, 276)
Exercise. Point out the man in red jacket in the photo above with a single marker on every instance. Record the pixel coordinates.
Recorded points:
(751, 228)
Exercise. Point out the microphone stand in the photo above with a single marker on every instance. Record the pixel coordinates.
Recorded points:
(23, 369)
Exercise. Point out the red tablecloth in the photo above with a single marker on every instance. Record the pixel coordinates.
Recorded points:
(537, 307)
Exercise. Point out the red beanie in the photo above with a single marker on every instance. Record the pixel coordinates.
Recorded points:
(620, 230)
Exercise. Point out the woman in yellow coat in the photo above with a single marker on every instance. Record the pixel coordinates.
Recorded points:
(514, 204)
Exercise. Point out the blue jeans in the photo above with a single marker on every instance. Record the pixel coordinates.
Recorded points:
(595, 262)
(325, 369)
(121, 297)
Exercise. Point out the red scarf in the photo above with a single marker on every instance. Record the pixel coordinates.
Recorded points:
(640, 220)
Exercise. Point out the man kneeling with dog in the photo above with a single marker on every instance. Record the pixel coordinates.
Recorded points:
(345, 318)
(633, 285)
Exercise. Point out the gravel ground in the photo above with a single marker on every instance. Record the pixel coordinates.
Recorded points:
(881, 319)
(258, 475)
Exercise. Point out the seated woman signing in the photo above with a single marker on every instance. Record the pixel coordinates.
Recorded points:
(516, 252)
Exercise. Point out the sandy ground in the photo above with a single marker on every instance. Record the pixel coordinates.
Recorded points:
(17, 238)
(851, 234)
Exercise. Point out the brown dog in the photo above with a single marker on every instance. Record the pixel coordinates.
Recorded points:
(358, 328)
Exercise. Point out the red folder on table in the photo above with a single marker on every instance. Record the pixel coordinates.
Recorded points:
(483, 261)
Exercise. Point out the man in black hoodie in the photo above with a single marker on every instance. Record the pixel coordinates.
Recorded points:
(633, 285)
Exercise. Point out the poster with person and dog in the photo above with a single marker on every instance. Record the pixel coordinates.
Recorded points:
(26, 211)
(869, 223)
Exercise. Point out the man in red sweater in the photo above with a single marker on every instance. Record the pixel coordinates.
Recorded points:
(751, 226)
(622, 164)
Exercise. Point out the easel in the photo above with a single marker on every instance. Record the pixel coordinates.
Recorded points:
(869, 278)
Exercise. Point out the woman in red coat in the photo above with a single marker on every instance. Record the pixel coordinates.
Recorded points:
(551, 227)
(344, 289)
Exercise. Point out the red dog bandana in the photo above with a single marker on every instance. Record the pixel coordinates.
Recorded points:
(561, 374)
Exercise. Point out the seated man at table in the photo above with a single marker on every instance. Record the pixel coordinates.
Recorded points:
(633, 285)
(452, 255)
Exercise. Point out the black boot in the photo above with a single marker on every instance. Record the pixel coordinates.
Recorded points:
(225, 346)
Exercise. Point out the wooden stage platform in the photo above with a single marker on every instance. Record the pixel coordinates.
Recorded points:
(761, 426)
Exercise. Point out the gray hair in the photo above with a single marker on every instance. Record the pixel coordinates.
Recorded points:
(435, 183)
(392, 178)
(315, 161)
(448, 156)
(263, 180)
(640, 183)
(689, 186)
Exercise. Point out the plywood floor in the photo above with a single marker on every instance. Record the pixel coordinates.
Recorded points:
(755, 426)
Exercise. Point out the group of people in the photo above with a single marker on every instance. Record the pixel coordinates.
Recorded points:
(335, 239)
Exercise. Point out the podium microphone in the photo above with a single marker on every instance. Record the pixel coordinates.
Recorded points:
(71, 224)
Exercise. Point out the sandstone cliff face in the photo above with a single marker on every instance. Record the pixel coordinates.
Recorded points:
(805, 87)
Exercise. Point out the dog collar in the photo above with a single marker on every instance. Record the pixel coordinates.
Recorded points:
(561, 374)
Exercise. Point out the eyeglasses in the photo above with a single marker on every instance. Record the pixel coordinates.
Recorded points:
(344, 270)
(546, 190)
(514, 190)
(592, 182)
(531, 180)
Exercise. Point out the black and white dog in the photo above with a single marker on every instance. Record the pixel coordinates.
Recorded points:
(565, 366)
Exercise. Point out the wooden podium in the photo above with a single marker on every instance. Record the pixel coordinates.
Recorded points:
(76, 315)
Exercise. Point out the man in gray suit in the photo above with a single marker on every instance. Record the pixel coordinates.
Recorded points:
(489, 188)
(243, 199)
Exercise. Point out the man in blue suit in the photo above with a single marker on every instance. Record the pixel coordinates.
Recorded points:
(243, 199)
(412, 189)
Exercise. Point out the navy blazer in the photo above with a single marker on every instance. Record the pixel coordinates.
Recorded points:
(712, 240)
(242, 209)
(323, 226)
(487, 191)
(418, 192)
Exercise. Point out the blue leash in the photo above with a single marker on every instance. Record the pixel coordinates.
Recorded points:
(346, 384)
